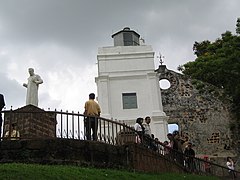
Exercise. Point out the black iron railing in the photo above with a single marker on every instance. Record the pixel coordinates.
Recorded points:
(67, 125)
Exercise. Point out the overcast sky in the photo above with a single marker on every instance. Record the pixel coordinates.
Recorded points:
(60, 39)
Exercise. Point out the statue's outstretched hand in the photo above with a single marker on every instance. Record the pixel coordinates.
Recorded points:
(38, 82)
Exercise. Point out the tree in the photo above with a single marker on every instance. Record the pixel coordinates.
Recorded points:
(238, 26)
(218, 63)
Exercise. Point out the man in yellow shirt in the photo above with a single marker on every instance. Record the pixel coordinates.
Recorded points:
(92, 111)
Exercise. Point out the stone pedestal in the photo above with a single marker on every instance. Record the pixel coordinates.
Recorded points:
(31, 122)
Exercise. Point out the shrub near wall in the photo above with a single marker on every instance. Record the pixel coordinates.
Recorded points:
(85, 153)
(62, 151)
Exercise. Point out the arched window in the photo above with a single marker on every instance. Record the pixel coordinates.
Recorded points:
(173, 127)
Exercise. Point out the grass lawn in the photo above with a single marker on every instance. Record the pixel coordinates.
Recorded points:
(19, 171)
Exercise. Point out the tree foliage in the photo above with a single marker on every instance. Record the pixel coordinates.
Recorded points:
(238, 26)
(218, 63)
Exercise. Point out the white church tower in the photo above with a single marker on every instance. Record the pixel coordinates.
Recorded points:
(127, 85)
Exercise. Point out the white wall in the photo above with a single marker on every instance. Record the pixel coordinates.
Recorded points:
(130, 69)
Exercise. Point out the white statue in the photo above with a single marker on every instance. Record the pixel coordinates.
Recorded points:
(32, 87)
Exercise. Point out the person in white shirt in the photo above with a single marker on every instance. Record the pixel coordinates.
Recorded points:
(146, 125)
(138, 127)
(230, 165)
(148, 134)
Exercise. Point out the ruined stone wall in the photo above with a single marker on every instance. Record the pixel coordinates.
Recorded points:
(200, 110)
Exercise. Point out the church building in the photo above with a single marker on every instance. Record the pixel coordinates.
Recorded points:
(127, 85)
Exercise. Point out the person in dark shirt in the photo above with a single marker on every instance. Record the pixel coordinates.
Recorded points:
(190, 154)
(178, 146)
(2, 104)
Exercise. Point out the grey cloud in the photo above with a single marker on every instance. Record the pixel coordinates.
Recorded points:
(57, 35)
(13, 92)
(84, 24)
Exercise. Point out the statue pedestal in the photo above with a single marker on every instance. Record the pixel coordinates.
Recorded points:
(31, 122)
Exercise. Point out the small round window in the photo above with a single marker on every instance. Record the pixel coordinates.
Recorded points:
(164, 84)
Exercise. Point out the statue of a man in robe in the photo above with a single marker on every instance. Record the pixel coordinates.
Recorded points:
(32, 87)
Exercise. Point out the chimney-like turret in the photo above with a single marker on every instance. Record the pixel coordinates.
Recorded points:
(126, 37)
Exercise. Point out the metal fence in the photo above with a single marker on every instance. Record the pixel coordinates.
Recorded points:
(72, 125)
(196, 165)
(68, 125)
